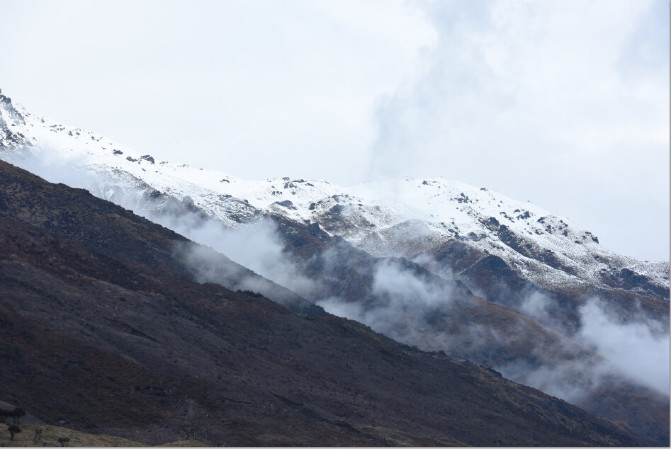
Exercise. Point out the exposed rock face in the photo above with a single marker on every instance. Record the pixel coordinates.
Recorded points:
(11, 119)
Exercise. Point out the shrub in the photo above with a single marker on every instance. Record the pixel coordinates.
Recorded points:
(13, 429)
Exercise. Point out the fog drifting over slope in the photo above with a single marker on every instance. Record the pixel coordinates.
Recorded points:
(638, 348)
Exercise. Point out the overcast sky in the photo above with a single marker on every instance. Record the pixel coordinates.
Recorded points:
(563, 103)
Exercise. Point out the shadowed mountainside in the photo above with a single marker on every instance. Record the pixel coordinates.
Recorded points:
(104, 329)
(444, 315)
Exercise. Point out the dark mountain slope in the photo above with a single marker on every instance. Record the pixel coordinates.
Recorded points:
(490, 328)
(116, 234)
(103, 327)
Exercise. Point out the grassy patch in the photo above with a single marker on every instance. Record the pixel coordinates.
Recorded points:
(186, 443)
(50, 435)
(401, 439)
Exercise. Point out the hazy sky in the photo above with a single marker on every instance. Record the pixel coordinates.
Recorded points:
(563, 103)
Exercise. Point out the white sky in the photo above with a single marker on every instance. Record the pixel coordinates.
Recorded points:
(564, 103)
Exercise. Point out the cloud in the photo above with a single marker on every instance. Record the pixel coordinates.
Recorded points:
(568, 360)
(433, 266)
(519, 96)
(53, 165)
(545, 309)
(536, 305)
(503, 78)
(255, 245)
(639, 348)
(259, 88)
(522, 96)
(401, 286)
(398, 301)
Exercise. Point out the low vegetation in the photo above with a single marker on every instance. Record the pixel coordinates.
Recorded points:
(32, 435)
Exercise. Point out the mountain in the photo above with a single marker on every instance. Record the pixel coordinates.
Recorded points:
(105, 330)
(432, 263)
(407, 217)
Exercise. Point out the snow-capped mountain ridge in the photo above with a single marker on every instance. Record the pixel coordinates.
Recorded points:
(405, 217)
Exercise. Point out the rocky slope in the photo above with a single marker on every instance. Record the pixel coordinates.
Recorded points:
(104, 329)
(405, 217)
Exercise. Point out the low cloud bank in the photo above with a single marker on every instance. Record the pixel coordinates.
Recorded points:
(414, 309)
(53, 165)
(403, 303)
(639, 348)
(254, 245)
(399, 303)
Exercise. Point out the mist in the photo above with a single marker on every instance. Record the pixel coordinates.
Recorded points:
(54, 166)
(416, 309)
(254, 245)
(401, 301)
(639, 348)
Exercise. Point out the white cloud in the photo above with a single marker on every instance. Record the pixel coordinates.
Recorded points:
(521, 73)
(255, 245)
(260, 88)
(639, 348)
(564, 103)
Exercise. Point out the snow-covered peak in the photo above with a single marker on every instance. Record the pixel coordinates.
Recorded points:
(405, 217)
(11, 121)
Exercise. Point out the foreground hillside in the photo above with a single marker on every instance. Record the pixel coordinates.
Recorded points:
(40, 435)
(104, 329)
(34, 435)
